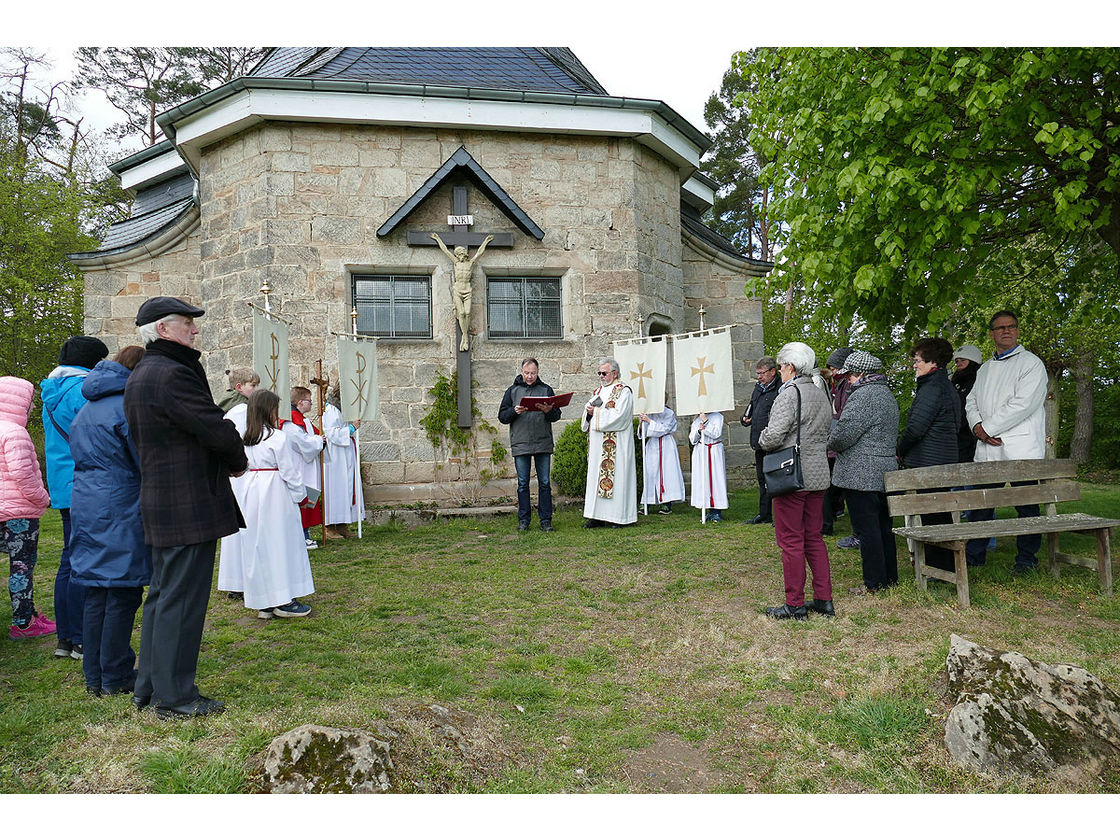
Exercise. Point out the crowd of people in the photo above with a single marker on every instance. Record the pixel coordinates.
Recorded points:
(148, 473)
(846, 432)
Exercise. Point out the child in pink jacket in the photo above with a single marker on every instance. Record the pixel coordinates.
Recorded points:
(23, 498)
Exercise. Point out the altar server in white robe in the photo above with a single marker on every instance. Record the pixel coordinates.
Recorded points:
(270, 549)
(231, 577)
(612, 473)
(308, 443)
(344, 502)
(709, 475)
(663, 481)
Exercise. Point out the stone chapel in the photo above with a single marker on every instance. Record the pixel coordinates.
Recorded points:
(325, 170)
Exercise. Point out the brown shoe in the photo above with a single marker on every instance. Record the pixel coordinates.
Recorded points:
(329, 533)
(343, 531)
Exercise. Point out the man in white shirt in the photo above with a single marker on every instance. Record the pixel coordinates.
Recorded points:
(1005, 412)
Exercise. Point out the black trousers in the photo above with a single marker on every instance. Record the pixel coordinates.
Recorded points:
(871, 519)
(765, 509)
(171, 632)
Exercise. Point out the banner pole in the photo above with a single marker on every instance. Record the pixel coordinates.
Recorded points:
(321, 384)
(358, 431)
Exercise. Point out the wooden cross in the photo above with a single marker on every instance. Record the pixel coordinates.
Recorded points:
(641, 374)
(702, 391)
(460, 222)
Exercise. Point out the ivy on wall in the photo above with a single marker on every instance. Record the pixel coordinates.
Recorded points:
(451, 442)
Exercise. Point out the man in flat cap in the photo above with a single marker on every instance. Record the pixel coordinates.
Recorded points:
(188, 451)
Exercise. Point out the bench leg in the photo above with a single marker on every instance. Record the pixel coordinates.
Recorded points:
(920, 565)
(962, 574)
(1104, 561)
(1052, 555)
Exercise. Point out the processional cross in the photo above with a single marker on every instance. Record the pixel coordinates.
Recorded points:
(455, 243)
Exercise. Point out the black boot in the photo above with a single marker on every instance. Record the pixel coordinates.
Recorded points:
(594, 523)
(786, 611)
(822, 607)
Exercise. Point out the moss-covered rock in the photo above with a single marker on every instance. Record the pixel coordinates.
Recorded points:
(323, 759)
(1018, 716)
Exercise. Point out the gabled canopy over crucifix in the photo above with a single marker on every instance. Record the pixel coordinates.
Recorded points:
(461, 166)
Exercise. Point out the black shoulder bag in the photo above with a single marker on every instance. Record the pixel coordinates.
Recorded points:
(782, 469)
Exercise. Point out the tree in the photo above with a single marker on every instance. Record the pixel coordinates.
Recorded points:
(740, 211)
(143, 82)
(903, 174)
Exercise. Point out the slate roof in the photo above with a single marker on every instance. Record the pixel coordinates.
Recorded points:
(153, 211)
(543, 69)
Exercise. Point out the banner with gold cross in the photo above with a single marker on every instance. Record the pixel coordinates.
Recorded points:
(642, 365)
(270, 354)
(357, 377)
(702, 372)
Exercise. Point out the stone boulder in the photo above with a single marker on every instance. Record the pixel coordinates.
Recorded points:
(1015, 715)
(323, 759)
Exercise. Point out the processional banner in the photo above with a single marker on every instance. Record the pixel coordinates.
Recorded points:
(642, 365)
(702, 372)
(357, 376)
(270, 355)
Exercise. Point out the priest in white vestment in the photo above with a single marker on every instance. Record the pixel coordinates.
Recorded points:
(612, 473)
(663, 481)
(343, 500)
(709, 476)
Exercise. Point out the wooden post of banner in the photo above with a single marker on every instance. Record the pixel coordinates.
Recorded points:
(321, 383)
(357, 432)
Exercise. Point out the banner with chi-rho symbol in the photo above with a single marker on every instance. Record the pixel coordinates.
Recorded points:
(270, 354)
(357, 376)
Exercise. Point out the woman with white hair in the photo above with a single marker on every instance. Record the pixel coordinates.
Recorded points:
(798, 517)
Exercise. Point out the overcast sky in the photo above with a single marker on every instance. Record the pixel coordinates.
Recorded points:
(673, 51)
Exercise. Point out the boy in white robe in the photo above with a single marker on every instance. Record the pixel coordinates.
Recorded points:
(663, 480)
(343, 500)
(709, 476)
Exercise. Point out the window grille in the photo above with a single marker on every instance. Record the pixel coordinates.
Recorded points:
(523, 307)
(394, 305)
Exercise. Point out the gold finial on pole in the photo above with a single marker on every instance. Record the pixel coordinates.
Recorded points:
(354, 320)
(641, 322)
(701, 317)
(266, 290)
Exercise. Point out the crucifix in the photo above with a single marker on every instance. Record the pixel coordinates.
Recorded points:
(455, 243)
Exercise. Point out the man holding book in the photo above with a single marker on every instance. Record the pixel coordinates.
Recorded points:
(530, 440)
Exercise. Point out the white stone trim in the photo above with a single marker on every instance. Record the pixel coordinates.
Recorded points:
(151, 171)
(244, 108)
(702, 192)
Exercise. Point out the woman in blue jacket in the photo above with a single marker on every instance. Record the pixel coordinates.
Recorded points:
(107, 552)
(62, 400)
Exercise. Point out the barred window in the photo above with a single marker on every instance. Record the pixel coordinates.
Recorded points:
(523, 307)
(394, 305)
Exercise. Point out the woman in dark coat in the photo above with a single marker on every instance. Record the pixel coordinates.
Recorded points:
(968, 360)
(930, 436)
(863, 439)
(108, 554)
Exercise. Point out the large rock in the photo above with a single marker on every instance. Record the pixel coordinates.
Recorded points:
(1015, 715)
(323, 759)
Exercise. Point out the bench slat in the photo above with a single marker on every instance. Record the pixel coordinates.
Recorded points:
(941, 534)
(983, 472)
(909, 504)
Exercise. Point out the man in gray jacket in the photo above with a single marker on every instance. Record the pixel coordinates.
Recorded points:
(530, 439)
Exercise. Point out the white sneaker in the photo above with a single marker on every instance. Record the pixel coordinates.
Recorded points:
(311, 544)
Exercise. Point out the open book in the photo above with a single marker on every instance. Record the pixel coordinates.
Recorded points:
(556, 401)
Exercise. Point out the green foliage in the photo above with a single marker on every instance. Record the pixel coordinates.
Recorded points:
(442, 429)
(569, 460)
(183, 768)
(902, 174)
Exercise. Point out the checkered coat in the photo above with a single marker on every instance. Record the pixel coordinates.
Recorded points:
(187, 449)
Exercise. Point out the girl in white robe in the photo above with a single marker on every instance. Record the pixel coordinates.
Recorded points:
(663, 481)
(344, 502)
(270, 549)
(231, 575)
(709, 476)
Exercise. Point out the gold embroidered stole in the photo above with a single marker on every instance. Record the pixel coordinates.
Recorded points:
(610, 449)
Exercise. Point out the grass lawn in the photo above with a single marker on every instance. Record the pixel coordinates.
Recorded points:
(632, 660)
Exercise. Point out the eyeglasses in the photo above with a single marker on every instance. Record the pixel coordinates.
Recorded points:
(604, 373)
(1003, 327)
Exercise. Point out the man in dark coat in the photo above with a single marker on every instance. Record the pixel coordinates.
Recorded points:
(530, 439)
(188, 452)
(755, 418)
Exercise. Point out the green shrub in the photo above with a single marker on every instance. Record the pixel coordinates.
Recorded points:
(569, 460)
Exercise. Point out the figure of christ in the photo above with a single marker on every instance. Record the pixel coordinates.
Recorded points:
(462, 267)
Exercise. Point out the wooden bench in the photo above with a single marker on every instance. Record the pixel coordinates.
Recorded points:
(913, 492)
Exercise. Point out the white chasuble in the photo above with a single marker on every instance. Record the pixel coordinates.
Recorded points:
(270, 549)
(612, 480)
(663, 480)
(709, 476)
(343, 493)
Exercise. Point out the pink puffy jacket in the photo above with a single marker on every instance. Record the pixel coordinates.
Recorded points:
(22, 494)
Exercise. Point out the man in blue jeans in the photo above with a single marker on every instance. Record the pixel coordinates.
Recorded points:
(530, 439)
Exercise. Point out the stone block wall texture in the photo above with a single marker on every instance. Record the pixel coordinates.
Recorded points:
(299, 205)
